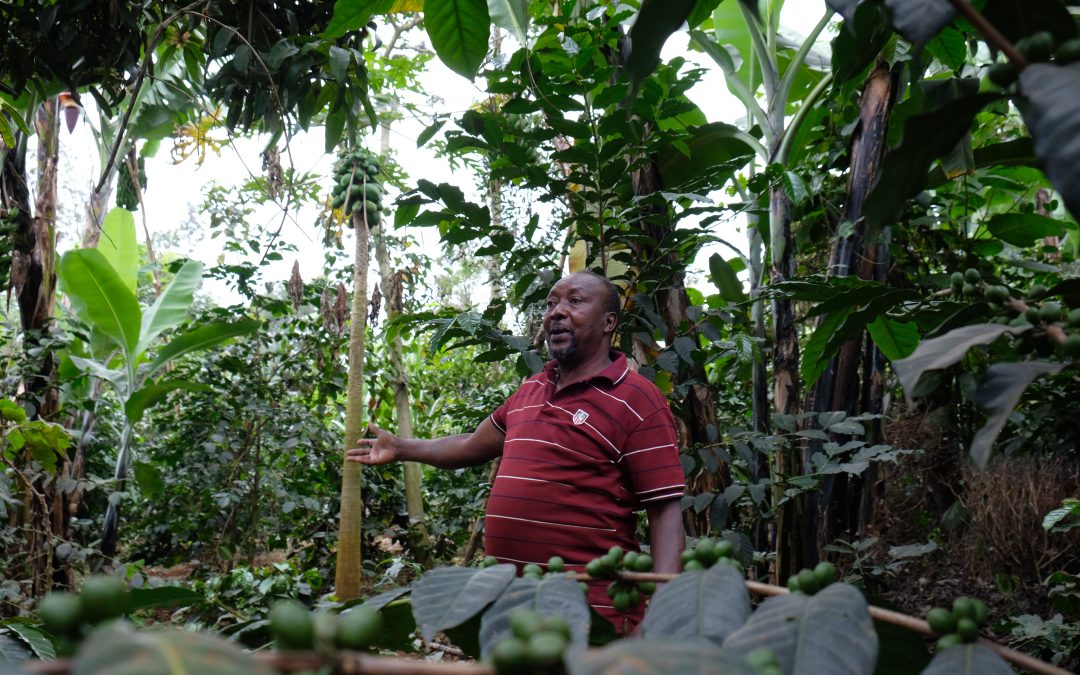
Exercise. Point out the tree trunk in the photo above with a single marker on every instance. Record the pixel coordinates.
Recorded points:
(792, 538)
(839, 508)
(347, 576)
(392, 287)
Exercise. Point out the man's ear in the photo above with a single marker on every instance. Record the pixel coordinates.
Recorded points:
(611, 322)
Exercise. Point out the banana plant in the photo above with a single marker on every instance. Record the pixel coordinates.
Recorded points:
(123, 336)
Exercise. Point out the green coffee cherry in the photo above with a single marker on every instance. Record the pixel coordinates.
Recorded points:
(941, 621)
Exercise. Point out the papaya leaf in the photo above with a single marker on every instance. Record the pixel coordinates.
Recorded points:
(119, 245)
(942, 352)
(551, 596)
(653, 657)
(101, 298)
(1024, 229)
(830, 632)
(698, 605)
(1054, 122)
(33, 637)
(927, 136)
(968, 659)
(162, 651)
(895, 339)
(459, 32)
(203, 337)
(920, 20)
(163, 596)
(512, 15)
(653, 25)
(999, 391)
(449, 596)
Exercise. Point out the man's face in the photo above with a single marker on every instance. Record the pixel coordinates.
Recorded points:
(576, 324)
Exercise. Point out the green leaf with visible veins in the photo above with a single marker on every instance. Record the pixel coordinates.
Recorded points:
(459, 32)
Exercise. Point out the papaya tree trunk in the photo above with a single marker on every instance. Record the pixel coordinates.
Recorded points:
(347, 574)
(392, 287)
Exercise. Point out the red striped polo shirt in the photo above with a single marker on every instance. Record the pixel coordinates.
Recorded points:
(576, 466)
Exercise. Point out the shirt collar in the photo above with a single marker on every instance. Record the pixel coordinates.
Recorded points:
(613, 373)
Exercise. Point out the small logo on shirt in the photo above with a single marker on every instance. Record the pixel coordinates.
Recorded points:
(580, 416)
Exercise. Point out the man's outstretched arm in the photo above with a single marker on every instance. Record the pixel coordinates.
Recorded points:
(667, 537)
(449, 452)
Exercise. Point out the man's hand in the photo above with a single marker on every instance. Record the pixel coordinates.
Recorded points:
(381, 449)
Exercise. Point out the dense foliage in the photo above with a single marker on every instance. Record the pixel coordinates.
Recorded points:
(884, 376)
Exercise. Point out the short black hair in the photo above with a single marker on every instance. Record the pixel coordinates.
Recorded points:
(612, 299)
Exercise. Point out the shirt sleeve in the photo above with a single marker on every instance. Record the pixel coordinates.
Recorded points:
(650, 458)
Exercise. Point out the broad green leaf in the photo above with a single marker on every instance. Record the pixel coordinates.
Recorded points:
(1054, 121)
(398, 625)
(350, 15)
(11, 652)
(34, 637)
(927, 136)
(942, 352)
(895, 339)
(1017, 152)
(551, 596)
(968, 659)
(1070, 509)
(654, 23)
(459, 32)
(859, 42)
(724, 278)
(814, 359)
(829, 632)
(710, 146)
(998, 392)
(99, 370)
(120, 247)
(339, 63)
(1024, 229)
(171, 306)
(449, 596)
(102, 298)
(151, 393)
(167, 650)
(920, 20)
(704, 605)
(335, 127)
(511, 15)
(163, 596)
(652, 657)
(148, 479)
(202, 337)
(382, 599)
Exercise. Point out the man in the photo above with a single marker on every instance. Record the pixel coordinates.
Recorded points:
(584, 444)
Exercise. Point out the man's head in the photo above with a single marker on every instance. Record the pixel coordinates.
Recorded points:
(582, 313)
